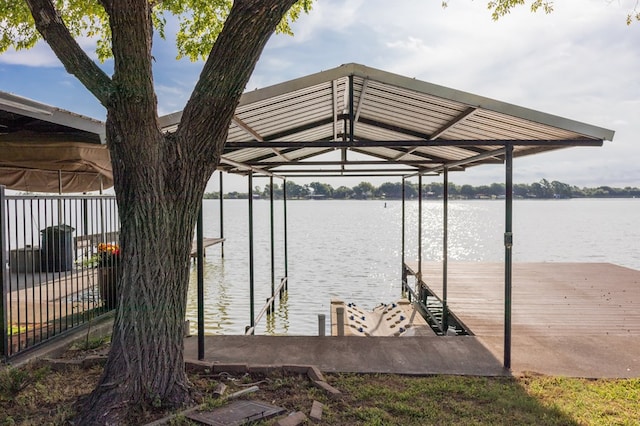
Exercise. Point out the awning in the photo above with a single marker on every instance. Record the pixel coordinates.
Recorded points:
(47, 149)
(55, 166)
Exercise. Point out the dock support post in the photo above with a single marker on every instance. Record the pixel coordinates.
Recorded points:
(508, 260)
(273, 258)
(340, 320)
(221, 218)
(321, 325)
(445, 252)
(4, 343)
(251, 271)
(404, 269)
(200, 258)
(419, 230)
(286, 253)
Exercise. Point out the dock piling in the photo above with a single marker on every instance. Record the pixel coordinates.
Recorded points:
(340, 320)
(322, 324)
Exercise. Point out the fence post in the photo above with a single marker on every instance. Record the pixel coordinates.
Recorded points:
(3, 272)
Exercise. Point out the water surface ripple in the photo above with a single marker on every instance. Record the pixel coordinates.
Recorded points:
(351, 250)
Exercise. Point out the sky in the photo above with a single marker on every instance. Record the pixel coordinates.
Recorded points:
(580, 62)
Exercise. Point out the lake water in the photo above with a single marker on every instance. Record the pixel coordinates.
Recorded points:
(351, 250)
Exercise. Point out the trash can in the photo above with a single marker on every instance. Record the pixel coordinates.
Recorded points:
(57, 248)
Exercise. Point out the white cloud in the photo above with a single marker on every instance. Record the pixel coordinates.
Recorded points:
(40, 55)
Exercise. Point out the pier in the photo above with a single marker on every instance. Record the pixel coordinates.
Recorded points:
(571, 319)
(206, 242)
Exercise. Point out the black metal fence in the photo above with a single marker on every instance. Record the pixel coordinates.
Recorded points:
(59, 259)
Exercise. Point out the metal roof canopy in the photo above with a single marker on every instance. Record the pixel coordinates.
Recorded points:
(48, 149)
(402, 122)
(408, 126)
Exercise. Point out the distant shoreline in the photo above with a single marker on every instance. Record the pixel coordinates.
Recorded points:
(542, 190)
(245, 197)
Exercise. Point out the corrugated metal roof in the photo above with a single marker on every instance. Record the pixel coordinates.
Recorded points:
(389, 117)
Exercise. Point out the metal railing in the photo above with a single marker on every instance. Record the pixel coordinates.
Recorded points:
(442, 321)
(52, 276)
(269, 306)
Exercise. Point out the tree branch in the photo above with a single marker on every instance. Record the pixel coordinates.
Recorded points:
(206, 117)
(73, 58)
(131, 39)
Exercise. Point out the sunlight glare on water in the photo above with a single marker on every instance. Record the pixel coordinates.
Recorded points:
(351, 250)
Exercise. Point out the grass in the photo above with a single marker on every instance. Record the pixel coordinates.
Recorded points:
(36, 395)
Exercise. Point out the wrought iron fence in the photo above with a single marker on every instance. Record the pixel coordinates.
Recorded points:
(59, 261)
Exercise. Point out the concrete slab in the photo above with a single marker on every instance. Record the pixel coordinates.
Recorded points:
(424, 355)
(573, 356)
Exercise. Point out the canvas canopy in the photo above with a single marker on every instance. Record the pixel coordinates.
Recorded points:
(47, 149)
(55, 166)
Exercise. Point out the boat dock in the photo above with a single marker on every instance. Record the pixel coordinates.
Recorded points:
(206, 242)
(567, 318)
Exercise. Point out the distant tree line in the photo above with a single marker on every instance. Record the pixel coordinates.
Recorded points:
(393, 190)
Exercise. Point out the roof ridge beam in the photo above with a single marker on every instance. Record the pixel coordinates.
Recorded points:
(410, 143)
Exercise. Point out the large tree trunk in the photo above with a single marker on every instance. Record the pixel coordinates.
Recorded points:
(159, 181)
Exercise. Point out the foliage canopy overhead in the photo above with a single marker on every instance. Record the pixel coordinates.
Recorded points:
(199, 23)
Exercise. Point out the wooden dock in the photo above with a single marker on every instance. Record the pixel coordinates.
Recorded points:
(206, 242)
(567, 318)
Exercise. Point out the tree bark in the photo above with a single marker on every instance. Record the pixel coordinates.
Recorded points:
(159, 181)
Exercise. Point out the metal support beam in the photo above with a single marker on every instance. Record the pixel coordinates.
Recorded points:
(334, 101)
(273, 164)
(403, 235)
(347, 173)
(247, 167)
(273, 249)
(286, 258)
(200, 263)
(508, 260)
(345, 143)
(352, 124)
(363, 96)
(343, 170)
(221, 217)
(447, 126)
(252, 132)
(474, 159)
(251, 269)
(445, 250)
(419, 227)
